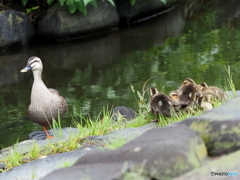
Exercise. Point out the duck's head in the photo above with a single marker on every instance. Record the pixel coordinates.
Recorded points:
(188, 81)
(174, 96)
(34, 63)
(153, 91)
(203, 85)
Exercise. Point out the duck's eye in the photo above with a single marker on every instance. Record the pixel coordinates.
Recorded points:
(34, 61)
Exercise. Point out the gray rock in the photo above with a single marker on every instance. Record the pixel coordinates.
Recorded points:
(60, 133)
(219, 128)
(128, 134)
(59, 23)
(2, 166)
(161, 153)
(40, 167)
(123, 112)
(15, 28)
(61, 136)
(216, 169)
(141, 9)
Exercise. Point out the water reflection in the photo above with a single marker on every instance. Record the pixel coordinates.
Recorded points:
(97, 72)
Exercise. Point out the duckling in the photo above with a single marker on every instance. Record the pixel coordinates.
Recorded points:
(160, 103)
(46, 104)
(204, 104)
(174, 96)
(212, 92)
(188, 95)
(188, 81)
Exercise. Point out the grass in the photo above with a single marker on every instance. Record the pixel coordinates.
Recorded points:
(65, 164)
(229, 85)
(118, 142)
(102, 125)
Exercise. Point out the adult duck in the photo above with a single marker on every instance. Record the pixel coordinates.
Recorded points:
(46, 104)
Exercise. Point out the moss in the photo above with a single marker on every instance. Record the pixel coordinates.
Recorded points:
(201, 151)
(19, 19)
(225, 145)
(200, 127)
(10, 19)
(225, 163)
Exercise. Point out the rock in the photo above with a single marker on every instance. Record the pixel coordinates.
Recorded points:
(124, 113)
(160, 153)
(128, 134)
(219, 128)
(38, 135)
(40, 167)
(60, 133)
(15, 28)
(140, 9)
(59, 23)
(217, 167)
(2, 166)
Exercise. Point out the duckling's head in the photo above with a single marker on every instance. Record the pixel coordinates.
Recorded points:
(153, 91)
(203, 85)
(188, 81)
(34, 63)
(188, 93)
(174, 96)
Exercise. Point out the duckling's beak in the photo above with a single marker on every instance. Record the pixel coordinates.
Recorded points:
(28, 67)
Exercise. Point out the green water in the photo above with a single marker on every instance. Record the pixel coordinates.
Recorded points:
(96, 73)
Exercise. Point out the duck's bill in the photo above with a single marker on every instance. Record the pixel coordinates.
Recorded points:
(26, 69)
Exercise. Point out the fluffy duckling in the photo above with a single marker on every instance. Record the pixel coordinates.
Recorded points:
(160, 103)
(188, 81)
(46, 104)
(188, 93)
(212, 92)
(174, 96)
(203, 103)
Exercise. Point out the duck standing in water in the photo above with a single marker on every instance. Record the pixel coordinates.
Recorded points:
(46, 104)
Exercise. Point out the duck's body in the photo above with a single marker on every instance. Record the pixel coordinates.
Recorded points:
(160, 103)
(188, 93)
(212, 93)
(46, 104)
(204, 104)
(174, 96)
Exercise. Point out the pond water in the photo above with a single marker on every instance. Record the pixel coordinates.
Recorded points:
(97, 72)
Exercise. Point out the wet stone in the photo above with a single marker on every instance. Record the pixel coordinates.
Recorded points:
(2, 166)
(219, 128)
(123, 112)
